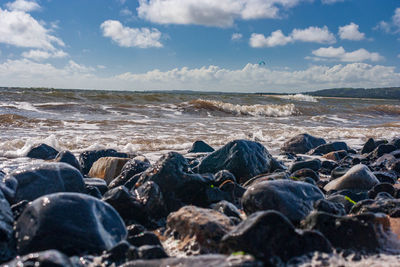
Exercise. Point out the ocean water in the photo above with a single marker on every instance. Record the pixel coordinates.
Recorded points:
(154, 123)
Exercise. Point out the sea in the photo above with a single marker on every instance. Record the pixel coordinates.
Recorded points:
(153, 123)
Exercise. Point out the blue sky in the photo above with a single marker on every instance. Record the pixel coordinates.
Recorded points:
(200, 44)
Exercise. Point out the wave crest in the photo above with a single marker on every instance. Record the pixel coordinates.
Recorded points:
(299, 97)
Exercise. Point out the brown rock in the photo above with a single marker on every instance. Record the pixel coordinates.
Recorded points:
(335, 155)
(107, 168)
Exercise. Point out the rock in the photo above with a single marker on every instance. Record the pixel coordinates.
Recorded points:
(379, 205)
(314, 164)
(203, 227)
(382, 187)
(36, 180)
(369, 146)
(227, 209)
(126, 204)
(147, 252)
(72, 223)
(301, 144)
(49, 258)
(6, 230)
(360, 232)
(295, 200)
(381, 150)
(335, 155)
(42, 151)
(200, 147)
(266, 177)
(143, 238)
(396, 142)
(96, 182)
(384, 161)
(87, 158)
(244, 159)
(304, 173)
(339, 172)
(358, 177)
(386, 177)
(327, 206)
(395, 166)
(118, 255)
(178, 186)
(330, 147)
(131, 168)
(199, 261)
(152, 199)
(107, 168)
(268, 234)
(67, 157)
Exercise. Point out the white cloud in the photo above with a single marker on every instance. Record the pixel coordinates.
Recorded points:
(310, 34)
(236, 36)
(331, 1)
(351, 32)
(251, 78)
(20, 29)
(340, 54)
(221, 13)
(126, 12)
(131, 37)
(41, 54)
(23, 5)
(392, 26)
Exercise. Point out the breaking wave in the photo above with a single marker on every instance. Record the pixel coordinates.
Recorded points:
(299, 97)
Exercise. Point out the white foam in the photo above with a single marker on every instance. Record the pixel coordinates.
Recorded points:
(299, 97)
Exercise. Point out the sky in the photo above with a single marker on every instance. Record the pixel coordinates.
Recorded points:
(208, 45)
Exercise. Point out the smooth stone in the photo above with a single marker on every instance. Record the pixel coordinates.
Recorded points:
(152, 199)
(314, 164)
(143, 238)
(42, 151)
(327, 166)
(149, 252)
(369, 146)
(267, 177)
(329, 147)
(118, 255)
(33, 181)
(199, 261)
(131, 168)
(72, 223)
(107, 168)
(87, 158)
(386, 177)
(382, 150)
(335, 155)
(301, 144)
(339, 172)
(358, 177)
(6, 230)
(244, 159)
(96, 182)
(395, 166)
(50, 258)
(67, 157)
(384, 161)
(395, 142)
(200, 147)
(327, 206)
(379, 205)
(293, 199)
(204, 227)
(304, 173)
(382, 187)
(269, 234)
(227, 209)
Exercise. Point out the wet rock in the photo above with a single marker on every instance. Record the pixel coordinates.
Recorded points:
(126, 204)
(381, 150)
(87, 158)
(304, 173)
(143, 238)
(384, 161)
(369, 146)
(295, 200)
(72, 223)
(269, 234)
(327, 206)
(33, 181)
(131, 168)
(358, 177)
(49, 258)
(93, 191)
(96, 182)
(199, 261)
(386, 177)
(178, 185)
(107, 168)
(152, 199)
(301, 144)
(267, 177)
(200, 147)
(135, 229)
(42, 151)
(327, 166)
(395, 142)
(395, 166)
(203, 227)
(379, 205)
(67, 157)
(314, 164)
(327, 148)
(382, 187)
(18, 208)
(118, 255)
(244, 159)
(227, 208)
(335, 155)
(147, 252)
(360, 232)
(6, 230)
(339, 172)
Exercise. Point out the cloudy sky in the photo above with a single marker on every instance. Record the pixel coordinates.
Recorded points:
(200, 44)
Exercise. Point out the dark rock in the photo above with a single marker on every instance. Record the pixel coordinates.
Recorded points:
(152, 200)
(396, 142)
(18, 208)
(301, 144)
(200, 147)
(382, 187)
(244, 159)
(223, 176)
(379, 205)
(67, 157)
(339, 172)
(306, 172)
(395, 166)
(131, 183)
(42, 151)
(327, 166)
(267, 177)
(396, 153)
(314, 164)
(152, 252)
(382, 149)
(342, 200)
(384, 161)
(369, 146)
(6, 230)
(294, 199)
(358, 177)
(126, 204)
(204, 227)
(96, 182)
(360, 232)
(118, 255)
(36, 180)
(87, 158)
(386, 177)
(143, 238)
(330, 147)
(227, 208)
(330, 207)
(135, 229)
(48, 258)
(130, 169)
(199, 261)
(93, 191)
(73, 223)
(269, 234)
(335, 155)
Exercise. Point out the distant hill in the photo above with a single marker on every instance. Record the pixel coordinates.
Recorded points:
(382, 93)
